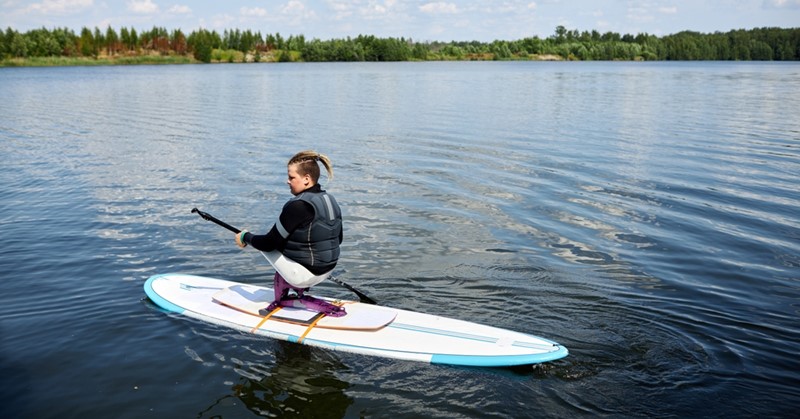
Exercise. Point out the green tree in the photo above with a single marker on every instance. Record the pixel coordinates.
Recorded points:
(314, 51)
(201, 44)
(297, 43)
(784, 52)
(87, 46)
(453, 52)
(125, 38)
(270, 42)
(284, 56)
(532, 45)
(18, 46)
(4, 41)
(560, 34)
(419, 52)
(112, 41)
(501, 51)
(41, 43)
(760, 51)
(134, 40)
(67, 42)
(99, 41)
(610, 37)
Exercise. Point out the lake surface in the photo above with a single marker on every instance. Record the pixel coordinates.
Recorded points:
(644, 215)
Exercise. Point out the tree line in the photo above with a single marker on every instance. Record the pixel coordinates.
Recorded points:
(762, 44)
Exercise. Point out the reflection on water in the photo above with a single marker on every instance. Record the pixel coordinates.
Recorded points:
(295, 383)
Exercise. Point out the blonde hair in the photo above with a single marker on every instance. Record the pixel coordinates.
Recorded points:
(306, 162)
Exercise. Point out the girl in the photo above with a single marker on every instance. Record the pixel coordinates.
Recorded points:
(303, 245)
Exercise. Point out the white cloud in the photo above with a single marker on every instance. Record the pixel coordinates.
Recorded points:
(463, 23)
(668, 10)
(142, 6)
(782, 4)
(341, 10)
(59, 6)
(532, 5)
(179, 10)
(639, 14)
(297, 12)
(253, 12)
(377, 10)
(223, 21)
(436, 30)
(294, 7)
(374, 8)
(439, 7)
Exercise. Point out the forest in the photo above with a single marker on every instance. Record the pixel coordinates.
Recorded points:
(63, 46)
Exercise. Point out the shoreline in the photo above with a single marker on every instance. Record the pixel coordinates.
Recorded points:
(105, 60)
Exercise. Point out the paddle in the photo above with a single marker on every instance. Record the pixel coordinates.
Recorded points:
(208, 217)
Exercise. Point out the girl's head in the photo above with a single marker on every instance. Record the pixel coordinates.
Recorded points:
(303, 170)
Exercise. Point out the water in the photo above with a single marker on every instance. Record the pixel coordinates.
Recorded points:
(645, 215)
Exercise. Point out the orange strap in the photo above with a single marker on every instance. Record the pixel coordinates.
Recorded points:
(311, 326)
(265, 319)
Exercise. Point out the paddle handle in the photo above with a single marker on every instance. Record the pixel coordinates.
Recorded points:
(208, 217)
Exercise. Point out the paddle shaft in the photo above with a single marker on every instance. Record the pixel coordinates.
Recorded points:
(361, 295)
(208, 217)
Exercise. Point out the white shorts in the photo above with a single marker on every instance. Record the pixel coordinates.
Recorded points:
(294, 273)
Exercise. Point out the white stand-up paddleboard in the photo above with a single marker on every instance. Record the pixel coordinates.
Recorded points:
(366, 329)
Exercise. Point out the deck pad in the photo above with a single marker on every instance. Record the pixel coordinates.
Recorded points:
(250, 299)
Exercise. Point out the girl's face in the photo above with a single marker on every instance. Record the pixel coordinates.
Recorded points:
(297, 183)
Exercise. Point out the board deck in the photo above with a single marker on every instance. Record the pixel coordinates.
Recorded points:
(406, 335)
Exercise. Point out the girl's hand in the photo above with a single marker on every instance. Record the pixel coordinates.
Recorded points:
(240, 239)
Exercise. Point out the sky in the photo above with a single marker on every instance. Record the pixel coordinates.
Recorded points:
(420, 20)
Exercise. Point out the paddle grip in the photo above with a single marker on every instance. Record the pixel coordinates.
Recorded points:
(208, 217)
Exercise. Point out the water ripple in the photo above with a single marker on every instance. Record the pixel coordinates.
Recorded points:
(642, 214)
